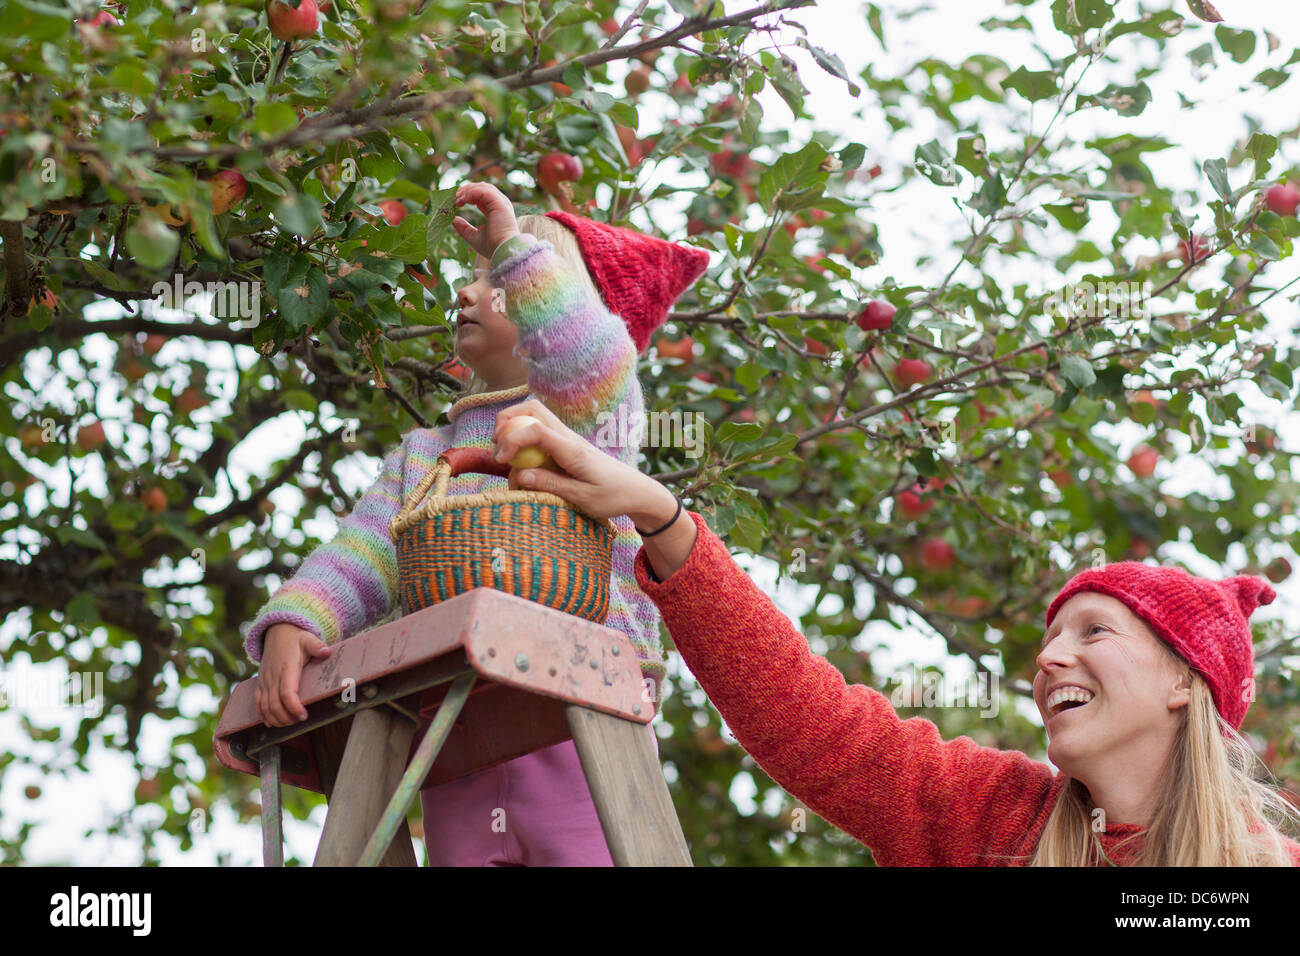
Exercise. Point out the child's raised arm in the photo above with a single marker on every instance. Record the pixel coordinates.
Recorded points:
(895, 785)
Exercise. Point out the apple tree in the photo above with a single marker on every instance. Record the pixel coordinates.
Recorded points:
(223, 224)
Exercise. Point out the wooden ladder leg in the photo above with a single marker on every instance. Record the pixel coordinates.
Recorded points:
(372, 765)
(329, 743)
(628, 788)
(272, 818)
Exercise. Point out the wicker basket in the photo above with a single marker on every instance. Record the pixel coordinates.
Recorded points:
(545, 549)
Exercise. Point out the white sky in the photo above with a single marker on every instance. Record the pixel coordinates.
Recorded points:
(909, 219)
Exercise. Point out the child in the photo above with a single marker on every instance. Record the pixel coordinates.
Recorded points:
(1144, 678)
(577, 301)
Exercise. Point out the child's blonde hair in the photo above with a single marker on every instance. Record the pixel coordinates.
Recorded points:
(1211, 811)
(566, 245)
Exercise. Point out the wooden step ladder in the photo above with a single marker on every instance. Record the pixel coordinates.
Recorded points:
(479, 679)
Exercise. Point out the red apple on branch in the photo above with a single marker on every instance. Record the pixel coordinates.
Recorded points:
(937, 555)
(228, 187)
(878, 314)
(289, 22)
(911, 372)
(918, 501)
(1143, 461)
(1195, 250)
(394, 211)
(683, 348)
(155, 499)
(637, 81)
(556, 168)
(1283, 199)
(90, 437)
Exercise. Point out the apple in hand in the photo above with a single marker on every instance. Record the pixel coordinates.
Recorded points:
(290, 23)
(556, 168)
(878, 314)
(228, 187)
(532, 456)
(1283, 199)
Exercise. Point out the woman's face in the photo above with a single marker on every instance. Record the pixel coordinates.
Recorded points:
(485, 336)
(1097, 644)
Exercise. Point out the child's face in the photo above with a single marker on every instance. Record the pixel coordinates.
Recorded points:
(1096, 642)
(485, 336)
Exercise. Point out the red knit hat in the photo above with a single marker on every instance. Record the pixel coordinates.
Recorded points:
(1207, 622)
(638, 276)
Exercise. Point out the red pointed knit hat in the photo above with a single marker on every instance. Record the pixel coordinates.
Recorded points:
(638, 276)
(1207, 622)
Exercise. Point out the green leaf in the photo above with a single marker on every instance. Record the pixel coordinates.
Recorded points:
(1204, 10)
(1217, 170)
(106, 277)
(1077, 371)
(1124, 100)
(1076, 16)
(151, 242)
(786, 80)
(830, 63)
(444, 211)
(1033, 85)
(740, 431)
(304, 303)
(934, 165)
(1266, 247)
(299, 213)
(271, 119)
(406, 241)
(972, 154)
(1262, 148)
(1238, 44)
(792, 172)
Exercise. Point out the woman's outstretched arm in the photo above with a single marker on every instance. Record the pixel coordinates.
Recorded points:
(893, 784)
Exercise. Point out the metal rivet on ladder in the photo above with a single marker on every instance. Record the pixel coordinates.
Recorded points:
(551, 672)
(614, 650)
(369, 691)
(636, 708)
(521, 661)
(594, 664)
(492, 652)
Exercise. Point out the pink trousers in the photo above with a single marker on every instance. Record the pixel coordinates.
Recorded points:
(535, 810)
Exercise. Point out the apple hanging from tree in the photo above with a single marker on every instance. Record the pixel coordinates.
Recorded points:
(155, 499)
(637, 81)
(228, 187)
(683, 348)
(1143, 461)
(937, 555)
(90, 437)
(289, 22)
(1283, 199)
(556, 168)
(878, 314)
(153, 343)
(394, 211)
(917, 501)
(1197, 248)
(911, 372)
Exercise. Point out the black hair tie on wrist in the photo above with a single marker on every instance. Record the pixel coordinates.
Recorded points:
(651, 534)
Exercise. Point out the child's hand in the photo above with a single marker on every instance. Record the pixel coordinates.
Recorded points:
(594, 481)
(501, 222)
(285, 649)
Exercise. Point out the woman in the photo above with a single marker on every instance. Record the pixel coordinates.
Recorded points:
(1144, 677)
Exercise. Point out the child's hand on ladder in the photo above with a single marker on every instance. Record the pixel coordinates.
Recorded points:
(285, 650)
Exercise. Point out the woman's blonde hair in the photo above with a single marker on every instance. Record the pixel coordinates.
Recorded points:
(1211, 811)
(566, 245)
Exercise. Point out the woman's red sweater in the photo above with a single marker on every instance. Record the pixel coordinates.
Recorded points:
(895, 785)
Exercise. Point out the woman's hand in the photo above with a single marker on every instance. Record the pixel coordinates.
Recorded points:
(285, 649)
(496, 207)
(594, 481)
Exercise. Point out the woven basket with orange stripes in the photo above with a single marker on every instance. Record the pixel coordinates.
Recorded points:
(529, 543)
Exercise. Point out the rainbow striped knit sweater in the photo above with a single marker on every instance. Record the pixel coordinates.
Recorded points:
(582, 366)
